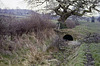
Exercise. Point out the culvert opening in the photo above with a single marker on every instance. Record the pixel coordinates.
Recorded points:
(68, 37)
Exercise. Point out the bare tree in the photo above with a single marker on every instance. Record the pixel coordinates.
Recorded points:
(66, 8)
(98, 18)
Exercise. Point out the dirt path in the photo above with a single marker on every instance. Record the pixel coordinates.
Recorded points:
(89, 58)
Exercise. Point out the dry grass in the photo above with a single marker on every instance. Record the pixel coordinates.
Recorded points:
(23, 42)
(34, 23)
(27, 50)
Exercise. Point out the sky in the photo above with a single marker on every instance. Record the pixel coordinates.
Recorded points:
(13, 4)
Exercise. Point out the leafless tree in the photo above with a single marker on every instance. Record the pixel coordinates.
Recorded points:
(66, 8)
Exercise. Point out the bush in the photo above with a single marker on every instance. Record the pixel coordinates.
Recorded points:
(77, 23)
(5, 23)
(29, 37)
(98, 18)
(1, 26)
(70, 23)
(25, 39)
(92, 19)
(35, 23)
(62, 25)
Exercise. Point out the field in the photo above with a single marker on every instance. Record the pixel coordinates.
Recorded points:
(84, 55)
(50, 33)
(90, 48)
(31, 49)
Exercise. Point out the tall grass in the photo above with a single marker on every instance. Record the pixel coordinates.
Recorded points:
(23, 42)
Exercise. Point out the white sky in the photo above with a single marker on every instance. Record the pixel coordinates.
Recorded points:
(13, 4)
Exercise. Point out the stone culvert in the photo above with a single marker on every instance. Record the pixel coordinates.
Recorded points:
(65, 37)
(68, 34)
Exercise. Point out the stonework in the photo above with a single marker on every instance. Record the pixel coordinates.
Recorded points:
(62, 32)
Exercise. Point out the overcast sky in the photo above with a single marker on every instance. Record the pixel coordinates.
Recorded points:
(13, 4)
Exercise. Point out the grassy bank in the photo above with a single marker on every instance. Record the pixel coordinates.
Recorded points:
(24, 42)
(25, 51)
(75, 56)
(85, 28)
(95, 50)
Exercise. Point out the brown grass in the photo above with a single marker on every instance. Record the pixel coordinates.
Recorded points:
(35, 23)
(29, 39)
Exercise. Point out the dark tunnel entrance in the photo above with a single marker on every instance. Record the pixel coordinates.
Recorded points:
(68, 37)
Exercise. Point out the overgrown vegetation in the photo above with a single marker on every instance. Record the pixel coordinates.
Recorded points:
(96, 53)
(77, 58)
(93, 47)
(24, 42)
(78, 55)
(69, 24)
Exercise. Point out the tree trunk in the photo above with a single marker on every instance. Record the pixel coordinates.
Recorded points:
(63, 18)
(61, 21)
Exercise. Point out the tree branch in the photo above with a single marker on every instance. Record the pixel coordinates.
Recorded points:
(40, 4)
(58, 12)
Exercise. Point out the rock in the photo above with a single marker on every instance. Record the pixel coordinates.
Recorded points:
(74, 43)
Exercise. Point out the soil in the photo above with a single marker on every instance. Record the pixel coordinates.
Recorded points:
(89, 58)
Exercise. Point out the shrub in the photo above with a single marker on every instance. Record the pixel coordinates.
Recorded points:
(29, 37)
(98, 18)
(70, 23)
(92, 19)
(5, 23)
(1, 26)
(77, 23)
(35, 23)
(62, 25)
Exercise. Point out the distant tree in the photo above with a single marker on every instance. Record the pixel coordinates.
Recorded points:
(88, 19)
(98, 18)
(66, 8)
(92, 19)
